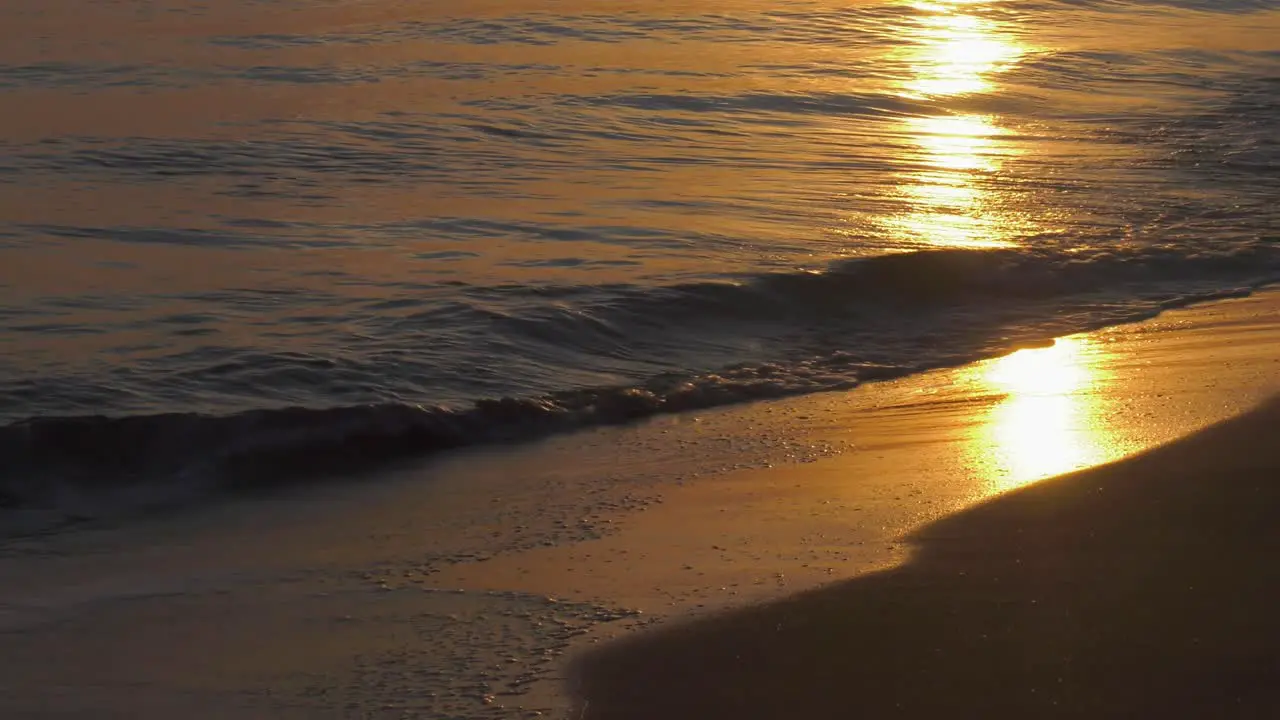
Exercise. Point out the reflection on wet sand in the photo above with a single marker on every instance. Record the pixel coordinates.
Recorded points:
(1049, 419)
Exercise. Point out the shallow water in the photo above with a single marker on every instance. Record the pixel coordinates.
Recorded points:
(383, 212)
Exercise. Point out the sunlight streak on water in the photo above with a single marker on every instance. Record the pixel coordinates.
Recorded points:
(957, 53)
(948, 205)
(953, 52)
(251, 204)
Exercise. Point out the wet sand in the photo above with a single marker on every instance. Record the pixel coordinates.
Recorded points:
(458, 587)
(1144, 588)
(902, 454)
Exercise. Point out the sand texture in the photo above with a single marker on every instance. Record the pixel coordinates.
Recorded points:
(1145, 588)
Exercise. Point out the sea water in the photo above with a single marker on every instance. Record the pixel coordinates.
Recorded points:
(244, 240)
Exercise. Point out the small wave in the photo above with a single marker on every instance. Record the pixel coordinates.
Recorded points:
(863, 319)
(78, 463)
(938, 279)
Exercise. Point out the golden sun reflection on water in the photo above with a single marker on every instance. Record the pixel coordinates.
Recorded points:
(952, 51)
(1048, 421)
(957, 142)
(956, 53)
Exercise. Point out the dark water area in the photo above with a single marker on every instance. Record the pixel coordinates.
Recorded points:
(242, 241)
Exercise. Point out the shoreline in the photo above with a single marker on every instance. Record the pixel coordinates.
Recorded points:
(113, 466)
(901, 453)
(1135, 589)
(458, 586)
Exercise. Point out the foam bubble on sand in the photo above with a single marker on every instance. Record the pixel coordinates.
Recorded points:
(458, 654)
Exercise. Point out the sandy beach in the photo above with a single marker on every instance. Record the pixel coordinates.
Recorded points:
(891, 551)
(1141, 589)
(515, 359)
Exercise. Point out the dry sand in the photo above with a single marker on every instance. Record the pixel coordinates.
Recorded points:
(456, 587)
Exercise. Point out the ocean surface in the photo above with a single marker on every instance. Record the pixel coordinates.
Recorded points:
(244, 241)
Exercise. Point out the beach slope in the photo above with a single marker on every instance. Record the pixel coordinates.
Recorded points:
(1144, 588)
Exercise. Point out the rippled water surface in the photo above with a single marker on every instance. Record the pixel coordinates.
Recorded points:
(588, 211)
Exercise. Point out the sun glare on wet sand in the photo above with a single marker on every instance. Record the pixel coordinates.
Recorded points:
(1048, 420)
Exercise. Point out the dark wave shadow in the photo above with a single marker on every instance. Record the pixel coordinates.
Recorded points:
(1141, 589)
